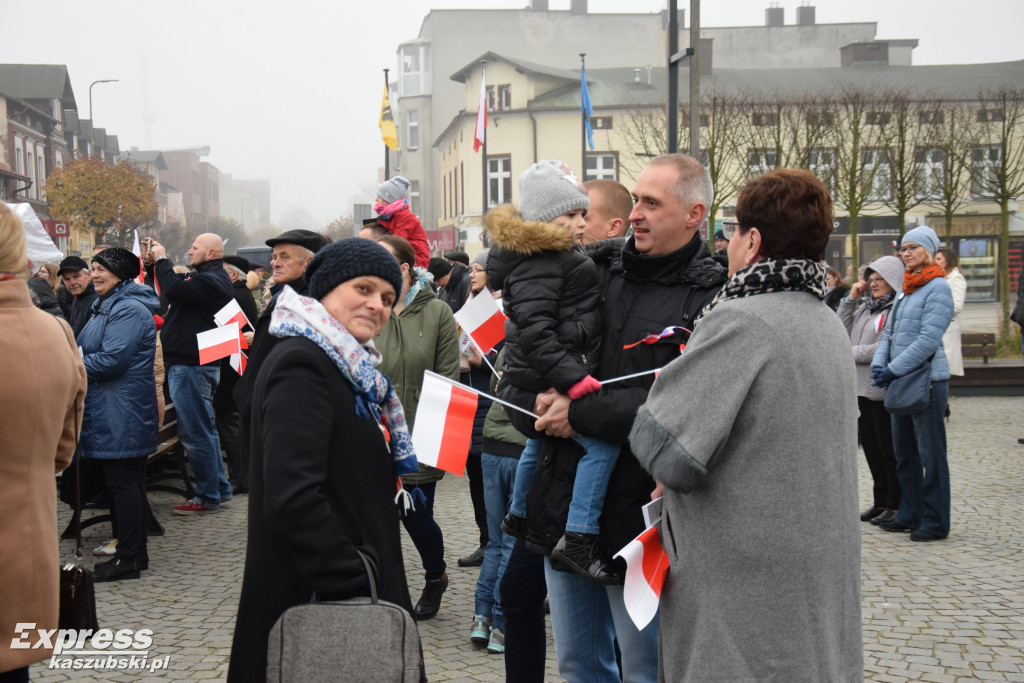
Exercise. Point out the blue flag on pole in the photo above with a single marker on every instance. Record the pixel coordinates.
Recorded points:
(585, 106)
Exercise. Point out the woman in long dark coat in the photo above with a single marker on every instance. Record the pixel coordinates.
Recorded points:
(323, 479)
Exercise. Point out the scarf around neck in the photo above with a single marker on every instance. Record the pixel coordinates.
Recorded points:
(914, 281)
(881, 302)
(771, 275)
(300, 316)
(391, 209)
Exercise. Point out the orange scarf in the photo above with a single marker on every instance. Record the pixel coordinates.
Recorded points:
(914, 281)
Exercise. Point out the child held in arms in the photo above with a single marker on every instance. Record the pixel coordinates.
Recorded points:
(393, 213)
(550, 293)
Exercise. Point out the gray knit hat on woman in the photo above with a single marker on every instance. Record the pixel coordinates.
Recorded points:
(890, 268)
(547, 189)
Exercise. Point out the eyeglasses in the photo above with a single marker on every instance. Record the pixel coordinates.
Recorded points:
(909, 248)
(729, 229)
(875, 280)
(477, 269)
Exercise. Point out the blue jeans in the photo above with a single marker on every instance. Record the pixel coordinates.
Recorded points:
(920, 445)
(499, 474)
(192, 388)
(425, 533)
(592, 474)
(586, 619)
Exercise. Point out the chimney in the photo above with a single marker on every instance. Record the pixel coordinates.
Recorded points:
(859, 54)
(805, 15)
(539, 5)
(578, 7)
(775, 15)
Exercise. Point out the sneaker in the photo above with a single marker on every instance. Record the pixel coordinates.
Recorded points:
(116, 569)
(480, 632)
(193, 507)
(514, 526)
(108, 548)
(583, 554)
(496, 645)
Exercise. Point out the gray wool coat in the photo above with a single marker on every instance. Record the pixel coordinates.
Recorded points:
(865, 336)
(760, 510)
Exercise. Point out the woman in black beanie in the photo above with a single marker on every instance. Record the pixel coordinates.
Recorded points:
(121, 422)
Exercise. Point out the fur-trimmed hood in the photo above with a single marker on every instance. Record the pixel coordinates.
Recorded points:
(509, 231)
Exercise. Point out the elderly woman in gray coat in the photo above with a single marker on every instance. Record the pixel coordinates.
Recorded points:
(760, 493)
(866, 325)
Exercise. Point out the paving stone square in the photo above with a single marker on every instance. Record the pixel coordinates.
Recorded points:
(945, 611)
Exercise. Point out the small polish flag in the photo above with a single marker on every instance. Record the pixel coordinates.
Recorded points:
(238, 362)
(444, 424)
(137, 250)
(220, 342)
(232, 313)
(646, 565)
(479, 136)
(482, 320)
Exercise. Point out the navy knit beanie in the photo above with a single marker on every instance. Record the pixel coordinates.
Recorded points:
(351, 258)
(119, 261)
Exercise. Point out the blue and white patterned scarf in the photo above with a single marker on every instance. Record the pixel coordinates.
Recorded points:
(300, 316)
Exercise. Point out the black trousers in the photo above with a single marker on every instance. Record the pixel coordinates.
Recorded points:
(227, 430)
(523, 590)
(126, 481)
(875, 426)
(475, 472)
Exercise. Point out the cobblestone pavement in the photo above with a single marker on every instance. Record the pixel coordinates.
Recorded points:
(948, 611)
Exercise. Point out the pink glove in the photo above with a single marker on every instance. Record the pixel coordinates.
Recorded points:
(587, 385)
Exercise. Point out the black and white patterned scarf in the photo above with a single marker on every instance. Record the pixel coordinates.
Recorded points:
(772, 275)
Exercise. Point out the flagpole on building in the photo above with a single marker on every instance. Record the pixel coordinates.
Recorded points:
(583, 120)
(387, 157)
(483, 156)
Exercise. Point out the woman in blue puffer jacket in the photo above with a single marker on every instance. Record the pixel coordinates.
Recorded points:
(121, 422)
(920, 316)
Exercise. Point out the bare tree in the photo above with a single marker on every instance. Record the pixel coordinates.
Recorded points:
(943, 157)
(898, 177)
(862, 122)
(722, 151)
(997, 168)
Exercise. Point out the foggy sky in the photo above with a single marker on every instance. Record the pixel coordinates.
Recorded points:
(291, 91)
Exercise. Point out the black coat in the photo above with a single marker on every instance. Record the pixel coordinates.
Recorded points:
(43, 296)
(194, 298)
(642, 295)
(550, 294)
(81, 308)
(223, 399)
(456, 292)
(322, 485)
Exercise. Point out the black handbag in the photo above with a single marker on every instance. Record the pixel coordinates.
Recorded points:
(77, 592)
(911, 393)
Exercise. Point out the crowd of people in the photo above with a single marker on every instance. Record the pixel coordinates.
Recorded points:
(585, 435)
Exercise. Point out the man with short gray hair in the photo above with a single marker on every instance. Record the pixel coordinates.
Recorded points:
(74, 271)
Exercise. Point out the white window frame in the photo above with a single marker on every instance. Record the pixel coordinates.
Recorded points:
(822, 163)
(876, 160)
(992, 155)
(499, 180)
(760, 161)
(414, 81)
(412, 129)
(929, 169)
(606, 166)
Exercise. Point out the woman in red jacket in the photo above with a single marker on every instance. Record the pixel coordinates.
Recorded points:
(393, 213)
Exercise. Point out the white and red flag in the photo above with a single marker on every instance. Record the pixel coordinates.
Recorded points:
(482, 320)
(444, 423)
(220, 342)
(646, 566)
(137, 250)
(481, 115)
(232, 313)
(238, 362)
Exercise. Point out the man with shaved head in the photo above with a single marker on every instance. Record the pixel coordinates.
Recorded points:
(194, 298)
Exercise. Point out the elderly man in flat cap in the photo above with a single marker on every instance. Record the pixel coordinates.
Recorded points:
(292, 252)
(74, 271)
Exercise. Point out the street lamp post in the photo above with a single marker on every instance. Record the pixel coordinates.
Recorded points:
(106, 80)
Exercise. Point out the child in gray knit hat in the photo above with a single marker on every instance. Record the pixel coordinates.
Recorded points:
(552, 340)
(394, 214)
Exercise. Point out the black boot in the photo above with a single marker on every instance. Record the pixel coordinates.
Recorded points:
(514, 526)
(583, 554)
(430, 599)
(117, 569)
(474, 559)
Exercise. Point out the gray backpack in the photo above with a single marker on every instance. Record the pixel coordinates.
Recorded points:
(359, 639)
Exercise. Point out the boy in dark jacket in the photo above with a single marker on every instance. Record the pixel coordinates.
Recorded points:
(550, 294)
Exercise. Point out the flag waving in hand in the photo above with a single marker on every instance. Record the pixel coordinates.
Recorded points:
(443, 429)
(482, 320)
(646, 566)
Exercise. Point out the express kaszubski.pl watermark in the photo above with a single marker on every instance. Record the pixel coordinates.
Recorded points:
(102, 650)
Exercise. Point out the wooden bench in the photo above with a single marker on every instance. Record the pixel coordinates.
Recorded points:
(168, 451)
(978, 345)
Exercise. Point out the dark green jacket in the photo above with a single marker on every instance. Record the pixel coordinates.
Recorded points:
(500, 437)
(424, 336)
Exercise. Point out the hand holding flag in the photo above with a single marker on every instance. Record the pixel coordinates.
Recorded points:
(482, 320)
